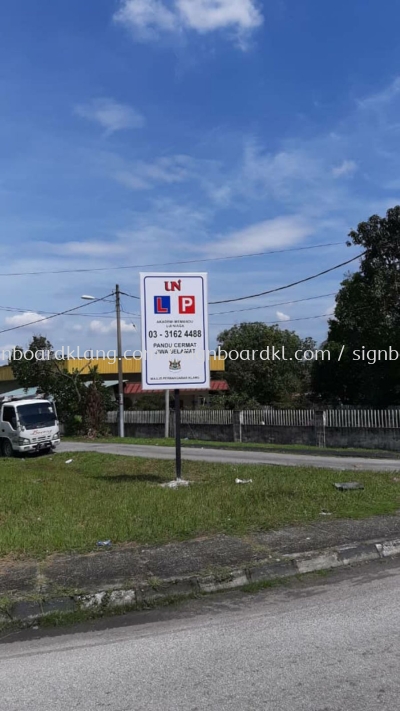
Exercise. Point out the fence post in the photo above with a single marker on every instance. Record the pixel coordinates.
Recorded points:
(319, 428)
(237, 426)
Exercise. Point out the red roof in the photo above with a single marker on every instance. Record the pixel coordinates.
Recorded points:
(136, 388)
(219, 385)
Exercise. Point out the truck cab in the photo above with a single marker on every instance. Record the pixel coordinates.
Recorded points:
(28, 426)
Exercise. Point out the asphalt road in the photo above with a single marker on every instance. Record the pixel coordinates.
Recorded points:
(235, 456)
(331, 644)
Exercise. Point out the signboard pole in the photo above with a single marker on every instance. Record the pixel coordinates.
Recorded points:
(166, 433)
(178, 458)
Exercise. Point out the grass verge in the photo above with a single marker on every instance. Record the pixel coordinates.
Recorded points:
(48, 506)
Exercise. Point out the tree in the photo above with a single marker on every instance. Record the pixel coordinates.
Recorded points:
(96, 403)
(39, 368)
(267, 372)
(34, 367)
(150, 402)
(366, 320)
(233, 401)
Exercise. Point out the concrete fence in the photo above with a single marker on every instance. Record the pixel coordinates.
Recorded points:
(368, 429)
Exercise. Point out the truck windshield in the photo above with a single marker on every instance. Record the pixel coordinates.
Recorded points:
(36, 415)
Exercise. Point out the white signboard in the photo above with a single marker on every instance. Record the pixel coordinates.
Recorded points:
(174, 331)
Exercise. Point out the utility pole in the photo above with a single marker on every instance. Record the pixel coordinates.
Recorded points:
(121, 423)
(117, 293)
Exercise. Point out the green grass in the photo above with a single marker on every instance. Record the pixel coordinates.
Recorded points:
(48, 506)
(253, 446)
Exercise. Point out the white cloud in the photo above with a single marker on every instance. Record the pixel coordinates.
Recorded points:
(143, 176)
(110, 115)
(276, 233)
(84, 249)
(276, 169)
(282, 317)
(96, 326)
(348, 167)
(148, 18)
(380, 99)
(24, 319)
(330, 310)
(290, 175)
(302, 175)
(208, 15)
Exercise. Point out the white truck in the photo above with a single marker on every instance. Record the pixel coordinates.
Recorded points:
(27, 426)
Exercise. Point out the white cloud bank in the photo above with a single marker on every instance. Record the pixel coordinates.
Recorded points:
(110, 114)
(111, 327)
(167, 170)
(24, 319)
(348, 167)
(282, 317)
(276, 233)
(148, 18)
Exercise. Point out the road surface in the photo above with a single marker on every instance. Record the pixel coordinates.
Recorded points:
(331, 644)
(236, 456)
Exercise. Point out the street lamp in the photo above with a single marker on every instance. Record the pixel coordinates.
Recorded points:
(121, 424)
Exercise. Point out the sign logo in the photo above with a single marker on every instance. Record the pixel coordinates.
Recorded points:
(173, 285)
(187, 305)
(162, 304)
(175, 364)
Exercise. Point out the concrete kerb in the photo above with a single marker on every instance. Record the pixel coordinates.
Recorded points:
(31, 609)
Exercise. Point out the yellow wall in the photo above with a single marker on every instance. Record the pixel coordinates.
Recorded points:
(105, 368)
(6, 373)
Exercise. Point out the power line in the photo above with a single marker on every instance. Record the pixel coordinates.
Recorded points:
(61, 313)
(130, 313)
(104, 314)
(223, 301)
(276, 303)
(253, 308)
(288, 286)
(101, 314)
(131, 296)
(168, 264)
(278, 288)
(287, 320)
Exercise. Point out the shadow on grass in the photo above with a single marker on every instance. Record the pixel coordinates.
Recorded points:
(133, 478)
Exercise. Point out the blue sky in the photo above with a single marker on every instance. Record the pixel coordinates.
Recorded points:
(142, 131)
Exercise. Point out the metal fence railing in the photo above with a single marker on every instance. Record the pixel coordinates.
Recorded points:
(281, 418)
(376, 419)
(143, 417)
(380, 419)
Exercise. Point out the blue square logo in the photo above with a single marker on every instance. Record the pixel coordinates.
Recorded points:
(162, 304)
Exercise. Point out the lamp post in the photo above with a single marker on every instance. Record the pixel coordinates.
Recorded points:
(121, 423)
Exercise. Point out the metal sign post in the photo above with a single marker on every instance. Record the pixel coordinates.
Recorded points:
(178, 452)
(175, 355)
(166, 432)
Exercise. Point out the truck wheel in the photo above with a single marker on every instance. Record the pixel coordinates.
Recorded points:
(6, 448)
